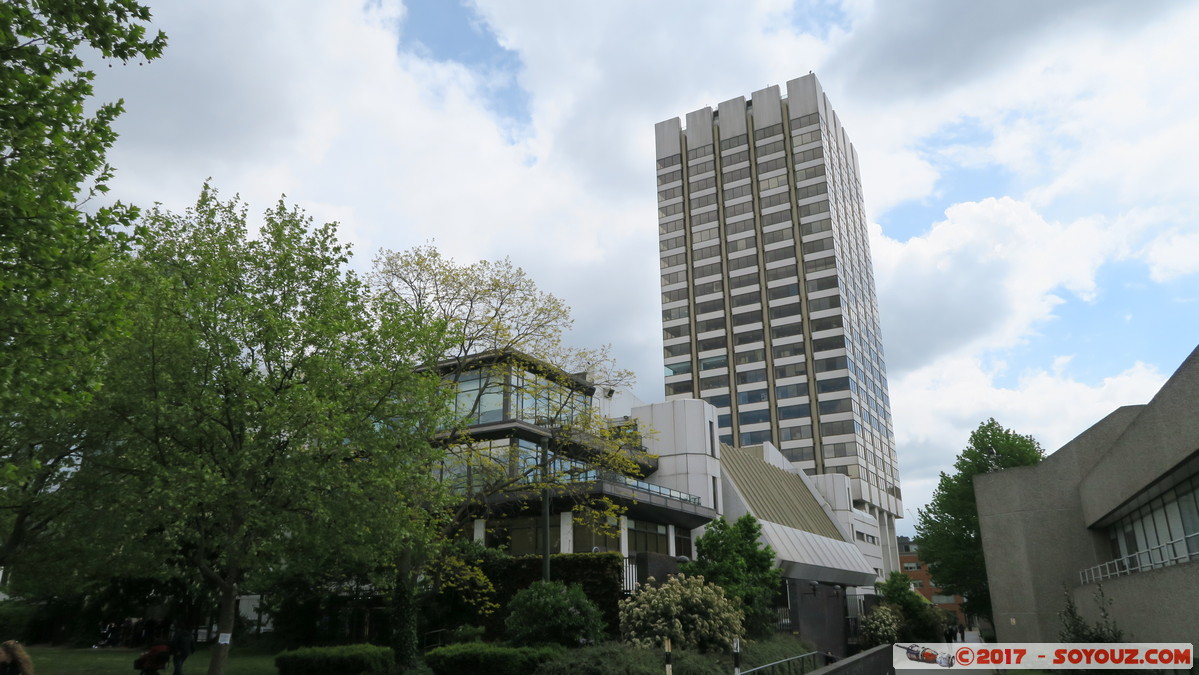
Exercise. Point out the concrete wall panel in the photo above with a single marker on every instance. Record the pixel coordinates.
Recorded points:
(768, 107)
(667, 138)
(804, 96)
(699, 127)
(731, 117)
(1163, 435)
(1154, 606)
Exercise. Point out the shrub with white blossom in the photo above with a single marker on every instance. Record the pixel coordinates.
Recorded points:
(689, 611)
(880, 626)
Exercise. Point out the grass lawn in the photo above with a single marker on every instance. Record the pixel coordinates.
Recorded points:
(117, 661)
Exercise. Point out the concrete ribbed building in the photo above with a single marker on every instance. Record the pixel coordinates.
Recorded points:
(768, 304)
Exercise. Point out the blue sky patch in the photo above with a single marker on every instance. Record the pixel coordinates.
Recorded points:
(1132, 318)
(914, 218)
(956, 183)
(818, 18)
(451, 31)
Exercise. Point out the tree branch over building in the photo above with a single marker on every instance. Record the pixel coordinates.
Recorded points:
(527, 425)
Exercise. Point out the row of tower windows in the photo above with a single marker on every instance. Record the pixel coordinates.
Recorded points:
(735, 245)
(742, 139)
(776, 295)
(811, 266)
(734, 158)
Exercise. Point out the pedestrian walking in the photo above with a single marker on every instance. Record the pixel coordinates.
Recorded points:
(961, 633)
(181, 646)
(14, 660)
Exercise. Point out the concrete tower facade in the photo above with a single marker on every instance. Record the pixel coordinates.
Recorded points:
(768, 304)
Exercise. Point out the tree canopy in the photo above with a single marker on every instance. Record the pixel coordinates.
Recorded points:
(489, 306)
(56, 305)
(51, 160)
(947, 530)
(267, 414)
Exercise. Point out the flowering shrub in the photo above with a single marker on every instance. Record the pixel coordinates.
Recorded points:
(881, 626)
(549, 612)
(689, 611)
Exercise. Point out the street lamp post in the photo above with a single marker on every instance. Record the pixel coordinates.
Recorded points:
(545, 510)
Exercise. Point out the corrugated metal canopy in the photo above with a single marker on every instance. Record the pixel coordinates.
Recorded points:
(774, 494)
(795, 524)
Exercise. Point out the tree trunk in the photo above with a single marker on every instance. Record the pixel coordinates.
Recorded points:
(225, 618)
(403, 616)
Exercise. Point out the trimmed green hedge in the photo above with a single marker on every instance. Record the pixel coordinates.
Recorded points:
(600, 575)
(344, 660)
(477, 657)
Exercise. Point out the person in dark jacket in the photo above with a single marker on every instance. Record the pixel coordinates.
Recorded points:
(181, 647)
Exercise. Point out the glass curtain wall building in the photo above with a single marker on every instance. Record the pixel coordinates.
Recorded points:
(768, 303)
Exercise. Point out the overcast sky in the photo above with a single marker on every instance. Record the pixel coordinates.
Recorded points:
(1030, 167)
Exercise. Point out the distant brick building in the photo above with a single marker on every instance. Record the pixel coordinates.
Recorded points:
(917, 571)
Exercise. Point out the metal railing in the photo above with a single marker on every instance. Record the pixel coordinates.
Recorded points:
(1180, 550)
(630, 574)
(613, 477)
(575, 471)
(796, 665)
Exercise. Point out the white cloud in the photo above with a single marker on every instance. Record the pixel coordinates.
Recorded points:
(983, 279)
(1080, 102)
(1174, 254)
(937, 406)
(1090, 106)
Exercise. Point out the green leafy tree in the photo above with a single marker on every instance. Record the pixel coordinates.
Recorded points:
(269, 415)
(947, 530)
(732, 557)
(54, 307)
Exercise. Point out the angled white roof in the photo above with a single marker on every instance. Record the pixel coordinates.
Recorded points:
(804, 555)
